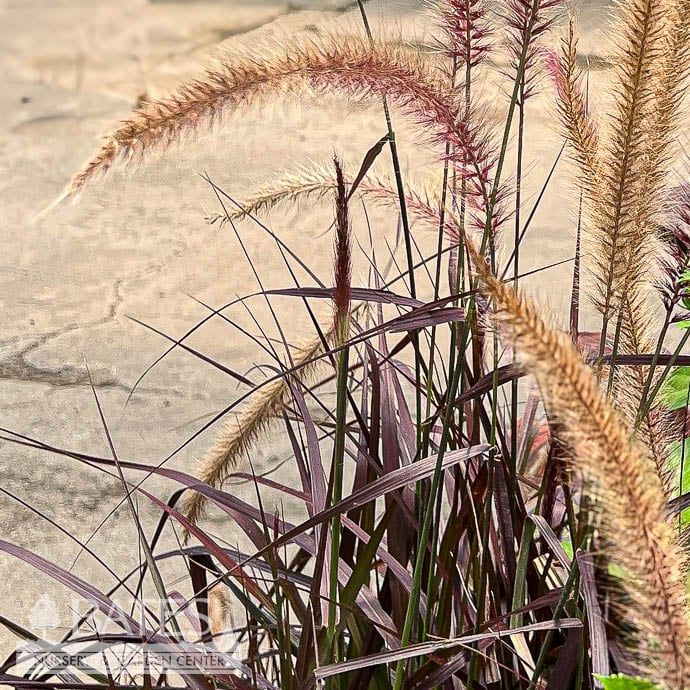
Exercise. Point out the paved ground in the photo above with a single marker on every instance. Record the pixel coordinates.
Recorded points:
(138, 245)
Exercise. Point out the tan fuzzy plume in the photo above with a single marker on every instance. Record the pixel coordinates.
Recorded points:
(624, 179)
(640, 537)
(634, 212)
(670, 83)
(290, 187)
(219, 610)
(578, 128)
(316, 182)
(341, 65)
(241, 432)
(623, 214)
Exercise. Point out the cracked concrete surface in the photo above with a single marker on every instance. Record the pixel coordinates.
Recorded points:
(137, 246)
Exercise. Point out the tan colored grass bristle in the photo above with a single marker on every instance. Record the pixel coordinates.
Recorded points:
(632, 247)
(578, 127)
(634, 516)
(316, 182)
(219, 610)
(623, 177)
(627, 201)
(670, 84)
(243, 430)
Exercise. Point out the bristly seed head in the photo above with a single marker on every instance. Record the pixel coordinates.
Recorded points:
(528, 21)
(466, 31)
(343, 256)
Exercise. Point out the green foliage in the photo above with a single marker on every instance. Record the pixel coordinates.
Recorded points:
(677, 389)
(621, 682)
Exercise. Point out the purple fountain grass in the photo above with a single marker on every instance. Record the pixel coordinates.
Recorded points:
(635, 506)
(467, 31)
(449, 537)
(344, 65)
(527, 22)
(676, 261)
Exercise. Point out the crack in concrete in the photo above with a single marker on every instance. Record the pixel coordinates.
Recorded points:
(17, 366)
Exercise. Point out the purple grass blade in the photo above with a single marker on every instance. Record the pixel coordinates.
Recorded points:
(595, 619)
(427, 648)
(357, 295)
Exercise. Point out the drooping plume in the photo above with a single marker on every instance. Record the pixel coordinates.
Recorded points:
(635, 524)
(344, 66)
(316, 182)
(245, 427)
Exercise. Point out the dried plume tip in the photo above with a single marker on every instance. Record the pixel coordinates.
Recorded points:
(579, 130)
(635, 524)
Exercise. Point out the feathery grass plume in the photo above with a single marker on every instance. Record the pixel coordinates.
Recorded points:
(669, 79)
(579, 130)
(631, 229)
(290, 186)
(671, 82)
(622, 227)
(243, 430)
(466, 30)
(640, 537)
(219, 609)
(629, 385)
(623, 182)
(346, 65)
(527, 21)
(317, 181)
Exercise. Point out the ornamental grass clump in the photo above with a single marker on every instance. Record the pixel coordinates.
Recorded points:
(488, 500)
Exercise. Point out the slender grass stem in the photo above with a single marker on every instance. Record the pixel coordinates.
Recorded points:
(338, 466)
(655, 360)
(514, 387)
